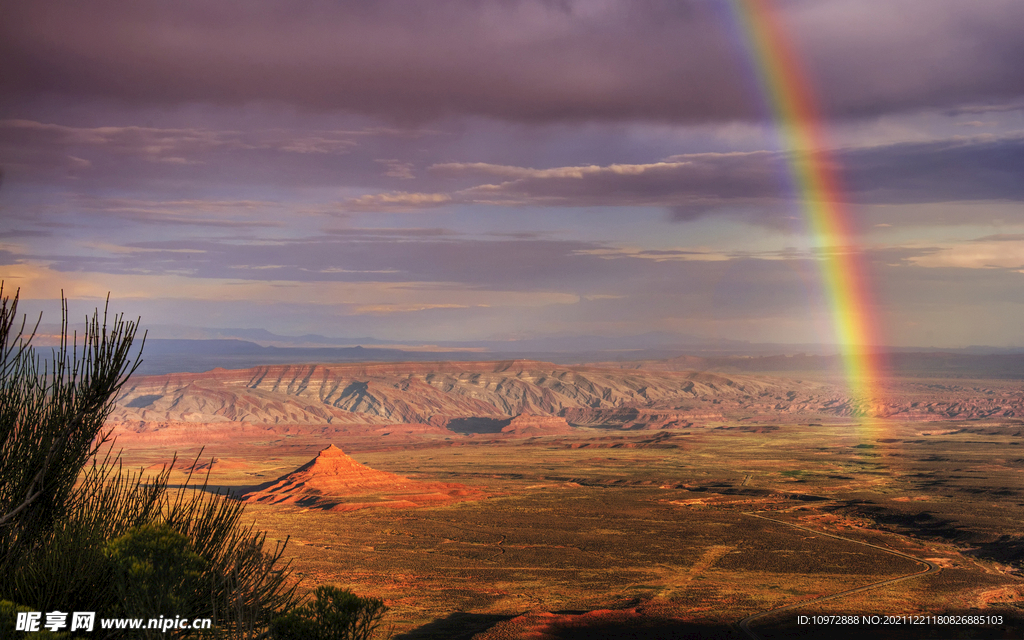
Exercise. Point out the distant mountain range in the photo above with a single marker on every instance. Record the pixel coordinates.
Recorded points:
(169, 356)
(553, 344)
(191, 349)
(517, 398)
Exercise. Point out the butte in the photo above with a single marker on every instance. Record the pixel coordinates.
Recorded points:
(334, 481)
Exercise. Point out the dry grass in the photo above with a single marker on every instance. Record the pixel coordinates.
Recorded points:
(600, 521)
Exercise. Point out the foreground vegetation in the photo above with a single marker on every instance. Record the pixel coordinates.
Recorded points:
(79, 532)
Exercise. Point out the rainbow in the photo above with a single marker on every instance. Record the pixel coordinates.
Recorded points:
(816, 181)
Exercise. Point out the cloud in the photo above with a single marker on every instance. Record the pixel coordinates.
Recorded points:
(961, 168)
(682, 181)
(523, 60)
(993, 252)
(176, 145)
(356, 234)
(396, 201)
(755, 185)
(986, 108)
(750, 184)
(193, 212)
(189, 154)
(387, 309)
(505, 171)
(218, 147)
(465, 285)
(657, 255)
(397, 169)
(41, 281)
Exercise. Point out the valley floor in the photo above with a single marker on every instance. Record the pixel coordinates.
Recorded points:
(679, 532)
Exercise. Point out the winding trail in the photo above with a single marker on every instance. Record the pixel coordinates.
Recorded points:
(931, 567)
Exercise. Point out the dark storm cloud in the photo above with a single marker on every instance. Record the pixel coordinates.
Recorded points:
(520, 60)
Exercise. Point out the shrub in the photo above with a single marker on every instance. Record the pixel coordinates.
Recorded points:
(75, 535)
(334, 614)
(51, 421)
(156, 571)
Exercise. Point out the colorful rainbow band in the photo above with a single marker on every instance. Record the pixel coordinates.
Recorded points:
(816, 182)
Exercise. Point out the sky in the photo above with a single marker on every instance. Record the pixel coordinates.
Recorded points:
(507, 169)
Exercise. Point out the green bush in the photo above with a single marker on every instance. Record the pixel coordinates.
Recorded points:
(334, 614)
(156, 572)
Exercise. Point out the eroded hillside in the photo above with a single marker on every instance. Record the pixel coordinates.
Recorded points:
(442, 394)
(420, 393)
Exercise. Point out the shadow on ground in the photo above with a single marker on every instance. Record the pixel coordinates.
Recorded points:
(234, 491)
(467, 426)
(457, 626)
(464, 626)
(646, 630)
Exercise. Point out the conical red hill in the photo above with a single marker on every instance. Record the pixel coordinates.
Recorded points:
(334, 473)
(335, 481)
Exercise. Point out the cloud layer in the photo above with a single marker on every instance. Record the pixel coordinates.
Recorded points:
(524, 60)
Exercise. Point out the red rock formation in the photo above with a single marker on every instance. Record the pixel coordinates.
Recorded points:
(335, 481)
(429, 393)
(526, 424)
(440, 393)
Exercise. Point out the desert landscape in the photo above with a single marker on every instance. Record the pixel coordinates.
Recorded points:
(526, 319)
(523, 499)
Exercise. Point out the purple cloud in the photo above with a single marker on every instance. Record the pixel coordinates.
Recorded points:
(524, 60)
(754, 184)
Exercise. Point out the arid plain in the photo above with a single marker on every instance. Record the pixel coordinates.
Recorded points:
(515, 499)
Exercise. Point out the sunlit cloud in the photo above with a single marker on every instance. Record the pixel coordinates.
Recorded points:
(398, 201)
(505, 171)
